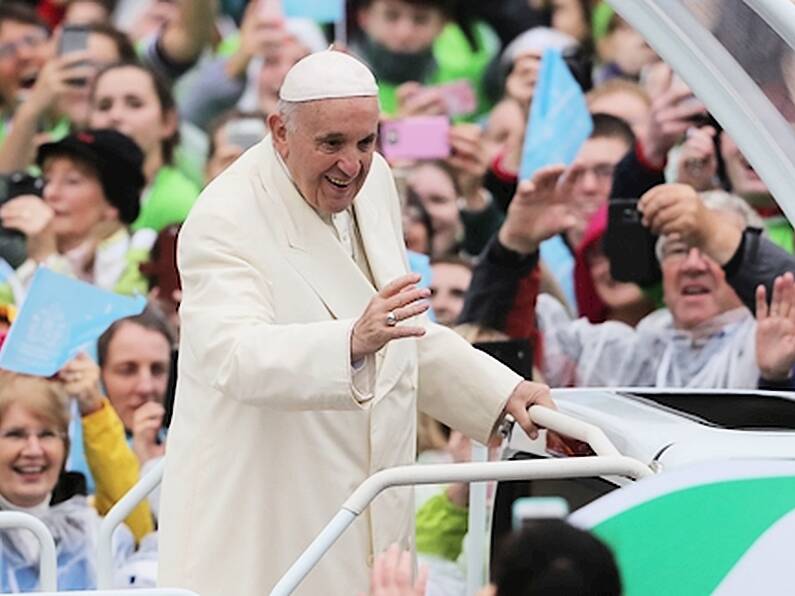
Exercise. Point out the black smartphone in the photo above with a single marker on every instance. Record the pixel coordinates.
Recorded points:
(74, 38)
(516, 354)
(629, 245)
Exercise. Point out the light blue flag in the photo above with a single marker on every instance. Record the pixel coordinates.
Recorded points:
(59, 318)
(322, 11)
(559, 120)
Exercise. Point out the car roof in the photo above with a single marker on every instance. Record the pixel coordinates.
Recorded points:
(652, 425)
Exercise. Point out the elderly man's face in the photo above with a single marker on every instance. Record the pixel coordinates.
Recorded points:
(694, 286)
(328, 147)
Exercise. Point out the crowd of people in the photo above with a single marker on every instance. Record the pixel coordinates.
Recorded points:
(106, 143)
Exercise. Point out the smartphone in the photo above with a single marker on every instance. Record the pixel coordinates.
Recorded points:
(629, 245)
(525, 509)
(13, 244)
(245, 132)
(516, 354)
(459, 97)
(74, 38)
(416, 137)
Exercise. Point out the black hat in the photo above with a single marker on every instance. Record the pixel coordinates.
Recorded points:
(116, 157)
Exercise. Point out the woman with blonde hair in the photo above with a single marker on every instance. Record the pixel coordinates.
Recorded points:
(34, 446)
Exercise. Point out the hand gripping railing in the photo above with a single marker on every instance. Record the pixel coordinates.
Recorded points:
(48, 564)
(608, 462)
(116, 516)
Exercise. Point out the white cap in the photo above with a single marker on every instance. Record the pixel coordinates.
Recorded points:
(536, 39)
(328, 74)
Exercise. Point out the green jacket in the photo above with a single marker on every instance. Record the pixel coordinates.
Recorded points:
(168, 200)
(455, 61)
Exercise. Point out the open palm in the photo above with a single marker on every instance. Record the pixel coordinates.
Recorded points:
(775, 331)
(539, 209)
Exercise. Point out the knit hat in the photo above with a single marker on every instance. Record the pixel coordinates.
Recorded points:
(116, 157)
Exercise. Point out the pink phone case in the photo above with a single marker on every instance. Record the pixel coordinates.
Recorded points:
(460, 98)
(417, 137)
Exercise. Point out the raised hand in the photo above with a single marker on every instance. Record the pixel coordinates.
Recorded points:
(676, 211)
(80, 379)
(391, 575)
(469, 162)
(775, 329)
(539, 209)
(416, 100)
(672, 110)
(147, 422)
(397, 301)
(698, 161)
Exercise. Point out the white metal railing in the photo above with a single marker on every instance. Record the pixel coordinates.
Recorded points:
(117, 515)
(48, 563)
(607, 462)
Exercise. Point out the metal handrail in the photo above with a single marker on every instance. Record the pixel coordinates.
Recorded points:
(117, 515)
(574, 428)
(48, 562)
(607, 462)
(432, 474)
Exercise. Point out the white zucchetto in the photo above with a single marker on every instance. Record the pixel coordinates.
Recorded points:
(329, 74)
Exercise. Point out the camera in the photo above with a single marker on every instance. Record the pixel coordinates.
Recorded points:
(13, 247)
(19, 183)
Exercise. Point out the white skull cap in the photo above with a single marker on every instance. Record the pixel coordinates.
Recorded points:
(329, 74)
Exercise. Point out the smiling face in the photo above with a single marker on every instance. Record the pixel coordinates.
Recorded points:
(32, 454)
(74, 192)
(328, 147)
(125, 99)
(23, 52)
(694, 286)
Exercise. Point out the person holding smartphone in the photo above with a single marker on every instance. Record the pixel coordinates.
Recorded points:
(58, 99)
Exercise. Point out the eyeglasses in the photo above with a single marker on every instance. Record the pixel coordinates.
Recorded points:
(12, 48)
(19, 436)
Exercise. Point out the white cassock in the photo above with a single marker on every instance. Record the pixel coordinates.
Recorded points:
(269, 434)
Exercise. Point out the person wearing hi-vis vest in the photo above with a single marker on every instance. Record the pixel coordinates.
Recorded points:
(305, 355)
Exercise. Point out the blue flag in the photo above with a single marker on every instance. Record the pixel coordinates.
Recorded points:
(322, 11)
(559, 120)
(59, 318)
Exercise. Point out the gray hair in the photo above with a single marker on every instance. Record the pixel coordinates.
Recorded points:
(720, 200)
(287, 109)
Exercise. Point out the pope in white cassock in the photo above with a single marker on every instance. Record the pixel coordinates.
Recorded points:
(305, 354)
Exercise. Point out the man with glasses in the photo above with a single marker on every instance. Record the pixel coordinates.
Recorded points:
(610, 140)
(23, 53)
